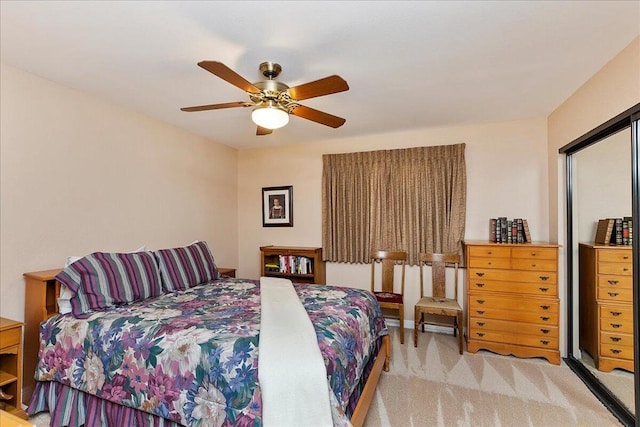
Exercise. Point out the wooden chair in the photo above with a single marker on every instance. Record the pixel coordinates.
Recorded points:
(438, 304)
(386, 296)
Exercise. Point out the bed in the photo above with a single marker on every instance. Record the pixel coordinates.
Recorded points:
(187, 354)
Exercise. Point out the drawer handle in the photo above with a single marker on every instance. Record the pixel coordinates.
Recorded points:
(544, 342)
(480, 301)
(533, 254)
(544, 318)
(480, 285)
(480, 311)
(545, 331)
(545, 307)
(480, 323)
(615, 339)
(615, 325)
(534, 265)
(544, 289)
(613, 294)
(625, 257)
(613, 282)
(625, 269)
(479, 274)
(489, 253)
(615, 313)
(489, 263)
(480, 334)
(544, 278)
(615, 351)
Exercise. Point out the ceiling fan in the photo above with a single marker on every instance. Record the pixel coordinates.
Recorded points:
(273, 100)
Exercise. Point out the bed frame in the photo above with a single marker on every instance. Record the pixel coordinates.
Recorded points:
(42, 291)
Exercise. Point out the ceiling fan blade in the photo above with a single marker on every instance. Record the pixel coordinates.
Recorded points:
(317, 116)
(218, 106)
(226, 73)
(263, 131)
(326, 86)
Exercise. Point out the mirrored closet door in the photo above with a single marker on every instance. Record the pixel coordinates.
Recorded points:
(601, 213)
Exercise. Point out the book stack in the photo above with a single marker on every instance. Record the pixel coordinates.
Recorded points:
(503, 230)
(292, 264)
(615, 231)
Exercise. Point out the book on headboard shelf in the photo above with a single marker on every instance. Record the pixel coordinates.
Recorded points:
(614, 231)
(503, 230)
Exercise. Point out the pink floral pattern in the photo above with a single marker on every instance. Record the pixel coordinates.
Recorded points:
(192, 356)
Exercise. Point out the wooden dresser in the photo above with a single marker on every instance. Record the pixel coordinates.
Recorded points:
(512, 299)
(606, 310)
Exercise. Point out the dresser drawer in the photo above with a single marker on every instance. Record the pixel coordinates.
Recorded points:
(533, 305)
(616, 320)
(613, 294)
(545, 277)
(503, 263)
(617, 351)
(625, 282)
(534, 264)
(613, 338)
(535, 253)
(620, 268)
(514, 338)
(515, 316)
(538, 289)
(489, 252)
(10, 337)
(615, 256)
(480, 324)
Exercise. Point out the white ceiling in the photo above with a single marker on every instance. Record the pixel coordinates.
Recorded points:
(408, 64)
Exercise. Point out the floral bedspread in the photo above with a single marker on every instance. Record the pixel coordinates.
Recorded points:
(192, 356)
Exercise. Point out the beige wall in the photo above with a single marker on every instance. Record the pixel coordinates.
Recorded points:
(614, 89)
(80, 175)
(506, 176)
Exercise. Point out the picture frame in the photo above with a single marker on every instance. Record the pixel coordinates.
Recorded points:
(277, 206)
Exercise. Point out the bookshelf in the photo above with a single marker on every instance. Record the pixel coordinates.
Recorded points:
(298, 264)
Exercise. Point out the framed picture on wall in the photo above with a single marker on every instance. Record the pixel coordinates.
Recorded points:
(277, 206)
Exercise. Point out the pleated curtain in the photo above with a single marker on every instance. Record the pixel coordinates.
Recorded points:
(411, 199)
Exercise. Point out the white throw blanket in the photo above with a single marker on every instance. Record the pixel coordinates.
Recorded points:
(291, 370)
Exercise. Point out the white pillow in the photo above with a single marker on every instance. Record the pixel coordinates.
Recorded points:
(64, 300)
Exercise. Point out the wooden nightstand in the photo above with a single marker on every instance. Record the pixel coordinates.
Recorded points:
(227, 272)
(11, 366)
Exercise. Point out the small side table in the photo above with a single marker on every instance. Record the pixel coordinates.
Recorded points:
(227, 272)
(11, 367)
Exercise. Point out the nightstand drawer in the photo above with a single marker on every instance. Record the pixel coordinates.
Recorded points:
(10, 337)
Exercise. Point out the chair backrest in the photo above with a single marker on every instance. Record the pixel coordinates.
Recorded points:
(389, 260)
(439, 273)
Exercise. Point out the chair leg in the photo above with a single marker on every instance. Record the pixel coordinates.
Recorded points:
(416, 324)
(459, 327)
(401, 324)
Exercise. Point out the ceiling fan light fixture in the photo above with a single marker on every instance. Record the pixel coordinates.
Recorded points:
(270, 117)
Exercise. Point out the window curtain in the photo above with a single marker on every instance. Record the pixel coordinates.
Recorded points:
(411, 199)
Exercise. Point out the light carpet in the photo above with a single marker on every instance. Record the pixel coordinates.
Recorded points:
(433, 385)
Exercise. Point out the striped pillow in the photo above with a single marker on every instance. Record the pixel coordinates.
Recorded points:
(102, 280)
(183, 268)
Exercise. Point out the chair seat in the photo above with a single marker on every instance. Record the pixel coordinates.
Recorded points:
(429, 303)
(388, 297)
